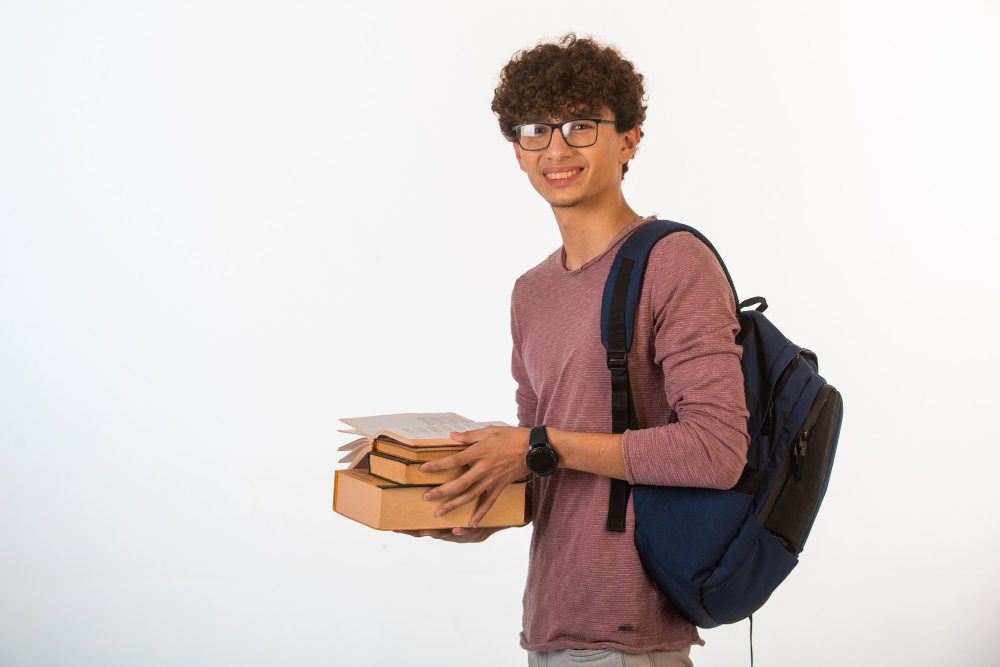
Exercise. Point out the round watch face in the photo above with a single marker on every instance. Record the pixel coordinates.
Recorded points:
(542, 461)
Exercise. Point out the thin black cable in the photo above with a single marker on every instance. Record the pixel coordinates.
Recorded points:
(751, 640)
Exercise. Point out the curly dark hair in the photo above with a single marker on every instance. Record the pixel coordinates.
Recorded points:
(554, 80)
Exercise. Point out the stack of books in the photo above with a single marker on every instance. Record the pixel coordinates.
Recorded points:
(383, 486)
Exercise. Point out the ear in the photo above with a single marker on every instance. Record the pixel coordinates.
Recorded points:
(517, 154)
(630, 141)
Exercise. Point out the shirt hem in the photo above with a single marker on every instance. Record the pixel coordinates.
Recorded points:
(625, 648)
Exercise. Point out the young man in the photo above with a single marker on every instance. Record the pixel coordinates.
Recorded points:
(573, 112)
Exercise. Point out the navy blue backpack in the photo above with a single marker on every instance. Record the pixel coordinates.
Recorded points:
(718, 554)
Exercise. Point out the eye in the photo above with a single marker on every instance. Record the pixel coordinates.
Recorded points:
(533, 130)
(581, 125)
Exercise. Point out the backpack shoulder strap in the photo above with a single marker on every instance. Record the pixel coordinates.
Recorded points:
(627, 271)
(621, 296)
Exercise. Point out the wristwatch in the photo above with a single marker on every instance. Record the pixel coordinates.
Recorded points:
(541, 459)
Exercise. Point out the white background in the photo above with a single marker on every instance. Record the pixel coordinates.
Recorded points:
(225, 225)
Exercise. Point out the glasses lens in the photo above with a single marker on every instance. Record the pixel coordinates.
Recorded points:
(580, 133)
(536, 136)
(533, 137)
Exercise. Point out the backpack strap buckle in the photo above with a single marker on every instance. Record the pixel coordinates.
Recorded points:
(617, 359)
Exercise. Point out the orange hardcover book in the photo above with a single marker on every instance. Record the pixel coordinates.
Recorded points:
(384, 505)
(405, 471)
(414, 453)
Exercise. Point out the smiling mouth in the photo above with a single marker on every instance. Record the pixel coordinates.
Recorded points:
(558, 176)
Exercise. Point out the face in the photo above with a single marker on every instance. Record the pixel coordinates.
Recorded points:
(567, 176)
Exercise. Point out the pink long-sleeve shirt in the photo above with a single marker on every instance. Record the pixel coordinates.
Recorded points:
(586, 587)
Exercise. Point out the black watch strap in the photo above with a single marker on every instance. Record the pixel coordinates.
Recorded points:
(539, 436)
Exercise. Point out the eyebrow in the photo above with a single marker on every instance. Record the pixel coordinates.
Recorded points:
(580, 113)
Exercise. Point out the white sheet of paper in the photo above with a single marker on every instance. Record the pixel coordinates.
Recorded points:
(417, 424)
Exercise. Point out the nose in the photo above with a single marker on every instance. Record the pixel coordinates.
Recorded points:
(558, 146)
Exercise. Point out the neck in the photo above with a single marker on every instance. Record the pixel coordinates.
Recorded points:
(590, 226)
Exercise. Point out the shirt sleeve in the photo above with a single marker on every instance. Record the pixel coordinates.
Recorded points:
(694, 327)
(527, 402)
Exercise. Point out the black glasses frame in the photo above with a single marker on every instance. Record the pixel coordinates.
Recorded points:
(562, 131)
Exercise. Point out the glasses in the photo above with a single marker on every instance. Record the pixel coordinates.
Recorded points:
(578, 133)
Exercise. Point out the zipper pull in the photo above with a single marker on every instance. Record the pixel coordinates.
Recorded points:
(799, 454)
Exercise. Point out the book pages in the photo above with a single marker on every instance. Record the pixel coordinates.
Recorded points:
(352, 445)
(360, 459)
(416, 426)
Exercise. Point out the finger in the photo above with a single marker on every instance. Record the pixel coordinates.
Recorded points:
(486, 501)
(469, 437)
(436, 533)
(464, 498)
(454, 486)
(463, 535)
(439, 533)
(445, 462)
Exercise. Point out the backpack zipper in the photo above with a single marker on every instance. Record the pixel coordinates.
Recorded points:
(799, 454)
(779, 385)
(802, 440)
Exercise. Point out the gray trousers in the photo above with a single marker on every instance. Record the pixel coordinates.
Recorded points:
(603, 657)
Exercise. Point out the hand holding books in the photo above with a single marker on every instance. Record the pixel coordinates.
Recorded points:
(384, 484)
(495, 458)
(461, 535)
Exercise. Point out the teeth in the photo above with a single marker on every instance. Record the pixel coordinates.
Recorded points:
(561, 175)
